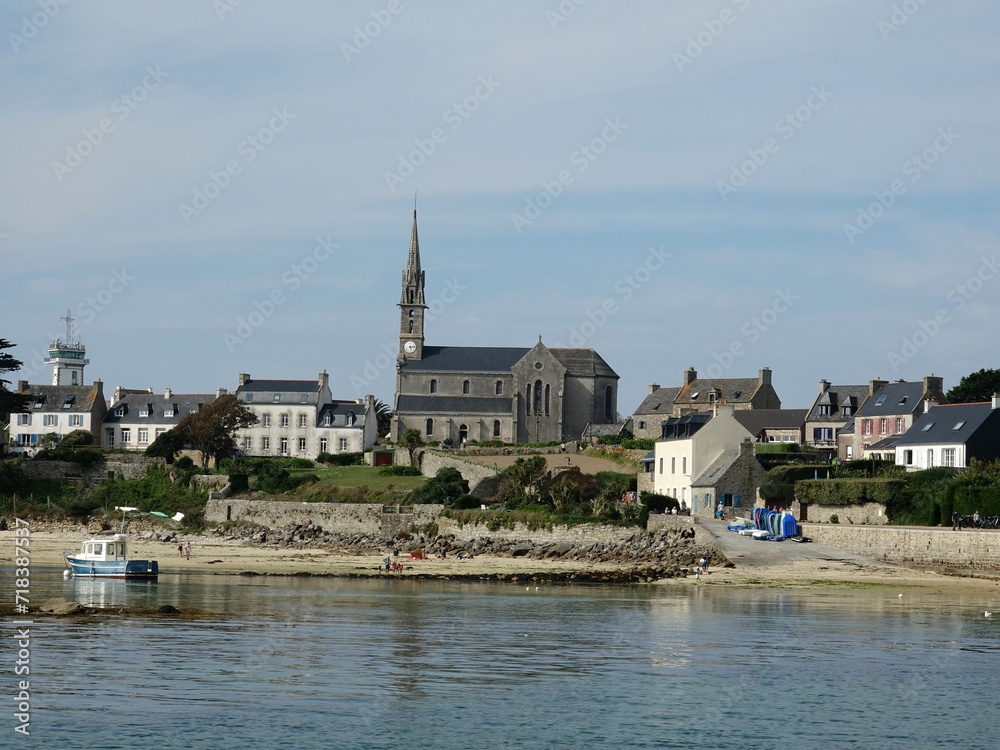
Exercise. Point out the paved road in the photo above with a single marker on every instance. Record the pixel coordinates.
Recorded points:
(747, 552)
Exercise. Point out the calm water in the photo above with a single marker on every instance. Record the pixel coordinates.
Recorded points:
(310, 663)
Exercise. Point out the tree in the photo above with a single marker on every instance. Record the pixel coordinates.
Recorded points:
(10, 401)
(384, 415)
(976, 386)
(77, 438)
(212, 429)
(411, 441)
(522, 480)
(445, 488)
(167, 445)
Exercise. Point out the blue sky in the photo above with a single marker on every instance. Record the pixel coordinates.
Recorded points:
(729, 185)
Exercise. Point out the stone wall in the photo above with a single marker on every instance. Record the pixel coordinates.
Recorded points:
(868, 514)
(668, 521)
(481, 479)
(336, 518)
(124, 465)
(587, 533)
(931, 547)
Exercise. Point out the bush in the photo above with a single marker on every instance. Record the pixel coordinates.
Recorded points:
(834, 518)
(855, 491)
(239, 483)
(77, 438)
(444, 487)
(639, 444)
(658, 503)
(13, 480)
(85, 457)
(399, 471)
(184, 463)
(341, 459)
(615, 484)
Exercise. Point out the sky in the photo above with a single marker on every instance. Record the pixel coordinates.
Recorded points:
(217, 187)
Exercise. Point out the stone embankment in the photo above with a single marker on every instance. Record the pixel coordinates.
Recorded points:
(640, 556)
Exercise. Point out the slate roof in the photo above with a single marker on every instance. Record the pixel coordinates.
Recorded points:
(660, 401)
(836, 397)
(466, 359)
(339, 412)
(731, 390)
(944, 418)
(716, 469)
(900, 399)
(52, 398)
(583, 362)
(758, 420)
(884, 444)
(262, 392)
(430, 404)
(681, 428)
(135, 402)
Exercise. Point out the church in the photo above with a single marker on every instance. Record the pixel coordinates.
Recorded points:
(513, 394)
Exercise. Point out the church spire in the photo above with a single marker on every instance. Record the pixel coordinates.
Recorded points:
(413, 261)
(411, 302)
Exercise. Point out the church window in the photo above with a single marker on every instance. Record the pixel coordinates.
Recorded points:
(434, 386)
(496, 428)
(499, 387)
(546, 399)
(411, 327)
(410, 296)
(465, 386)
(527, 400)
(430, 427)
(609, 410)
(538, 397)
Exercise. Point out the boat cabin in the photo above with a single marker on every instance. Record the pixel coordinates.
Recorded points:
(103, 549)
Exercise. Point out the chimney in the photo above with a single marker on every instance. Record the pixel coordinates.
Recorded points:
(149, 389)
(690, 375)
(244, 378)
(824, 386)
(746, 448)
(324, 379)
(119, 392)
(166, 393)
(22, 386)
(996, 400)
(929, 404)
(933, 386)
(874, 385)
(369, 402)
(653, 388)
(220, 392)
(765, 376)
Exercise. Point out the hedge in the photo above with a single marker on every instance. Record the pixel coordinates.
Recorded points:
(855, 491)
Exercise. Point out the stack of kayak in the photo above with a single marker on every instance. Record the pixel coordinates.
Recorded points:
(774, 526)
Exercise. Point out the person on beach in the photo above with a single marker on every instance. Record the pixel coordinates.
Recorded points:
(187, 550)
(180, 551)
(975, 520)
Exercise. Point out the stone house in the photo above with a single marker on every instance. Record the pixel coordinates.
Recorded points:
(887, 413)
(56, 410)
(773, 425)
(832, 409)
(513, 394)
(700, 394)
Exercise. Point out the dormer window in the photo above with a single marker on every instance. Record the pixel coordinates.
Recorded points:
(824, 410)
(248, 397)
(303, 398)
(120, 411)
(277, 397)
(350, 419)
(327, 419)
(711, 398)
(846, 411)
(68, 402)
(146, 410)
(903, 400)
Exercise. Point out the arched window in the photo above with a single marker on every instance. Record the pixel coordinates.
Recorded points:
(434, 386)
(411, 326)
(465, 386)
(538, 397)
(496, 428)
(463, 434)
(609, 406)
(430, 427)
(499, 387)
(410, 296)
(546, 399)
(527, 400)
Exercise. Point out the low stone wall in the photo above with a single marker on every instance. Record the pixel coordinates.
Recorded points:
(481, 479)
(513, 450)
(930, 547)
(127, 466)
(668, 521)
(587, 533)
(872, 514)
(336, 518)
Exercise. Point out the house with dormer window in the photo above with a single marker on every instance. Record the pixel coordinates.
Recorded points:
(951, 435)
(833, 409)
(55, 410)
(137, 417)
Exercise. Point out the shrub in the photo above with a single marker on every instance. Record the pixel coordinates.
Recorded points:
(342, 459)
(853, 491)
(399, 471)
(444, 487)
(658, 503)
(85, 457)
(239, 483)
(13, 480)
(184, 463)
(616, 483)
(77, 438)
(834, 518)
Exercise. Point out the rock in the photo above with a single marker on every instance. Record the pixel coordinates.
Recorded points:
(521, 549)
(167, 609)
(59, 606)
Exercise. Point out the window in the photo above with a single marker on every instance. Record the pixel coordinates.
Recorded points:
(903, 400)
(958, 426)
(546, 399)
(143, 436)
(302, 444)
(900, 422)
(265, 420)
(50, 420)
(673, 464)
(120, 411)
(434, 386)
(711, 397)
(39, 402)
(126, 435)
(24, 419)
(302, 420)
(927, 427)
(76, 420)
(883, 426)
(684, 465)
(430, 427)
(322, 445)
(881, 400)
(496, 428)
(930, 458)
(661, 465)
(499, 387)
(527, 400)
(908, 457)
(284, 420)
(824, 410)
(846, 411)
(349, 419)
(850, 452)
(303, 398)
(248, 397)
(609, 406)
(537, 403)
(465, 386)
(160, 431)
(170, 411)
(265, 443)
(144, 411)
(342, 444)
(327, 419)
(277, 397)
(68, 402)
(947, 456)
(642, 424)
(284, 446)
(247, 444)
(866, 427)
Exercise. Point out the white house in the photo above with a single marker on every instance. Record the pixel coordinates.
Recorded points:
(950, 435)
(56, 410)
(136, 418)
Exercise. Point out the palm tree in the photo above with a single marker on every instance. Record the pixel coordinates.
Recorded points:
(384, 415)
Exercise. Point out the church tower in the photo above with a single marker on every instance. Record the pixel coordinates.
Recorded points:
(68, 358)
(411, 303)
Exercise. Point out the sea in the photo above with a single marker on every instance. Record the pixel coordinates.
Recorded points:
(298, 662)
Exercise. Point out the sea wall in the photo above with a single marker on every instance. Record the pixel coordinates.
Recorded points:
(869, 513)
(482, 479)
(587, 533)
(336, 518)
(124, 465)
(930, 547)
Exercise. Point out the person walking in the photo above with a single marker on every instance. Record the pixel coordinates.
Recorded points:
(187, 550)
(954, 520)
(180, 551)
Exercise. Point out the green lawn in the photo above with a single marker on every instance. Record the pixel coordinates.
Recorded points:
(360, 476)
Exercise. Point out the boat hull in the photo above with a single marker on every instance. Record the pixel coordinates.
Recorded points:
(113, 568)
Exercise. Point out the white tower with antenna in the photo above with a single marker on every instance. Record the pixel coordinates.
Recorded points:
(68, 358)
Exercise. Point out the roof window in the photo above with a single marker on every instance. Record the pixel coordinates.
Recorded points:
(958, 426)
(881, 400)
(927, 427)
